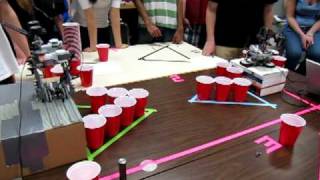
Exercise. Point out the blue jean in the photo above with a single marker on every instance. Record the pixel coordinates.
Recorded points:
(294, 49)
(145, 38)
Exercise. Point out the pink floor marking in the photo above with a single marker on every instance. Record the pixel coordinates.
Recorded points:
(210, 144)
(299, 98)
(176, 78)
(270, 144)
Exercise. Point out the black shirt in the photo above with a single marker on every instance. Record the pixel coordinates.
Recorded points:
(239, 21)
(44, 12)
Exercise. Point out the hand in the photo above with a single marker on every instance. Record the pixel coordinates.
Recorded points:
(307, 41)
(209, 48)
(178, 36)
(153, 30)
(89, 49)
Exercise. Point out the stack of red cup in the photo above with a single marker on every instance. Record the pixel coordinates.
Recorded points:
(222, 68)
(113, 114)
(241, 88)
(291, 127)
(115, 92)
(234, 72)
(95, 127)
(141, 96)
(57, 70)
(223, 87)
(84, 170)
(98, 97)
(127, 104)
(74, 63)
(86, 75)
(103, 51)
(279, 61)
(204, 87)
(46, 70)
(72, 38)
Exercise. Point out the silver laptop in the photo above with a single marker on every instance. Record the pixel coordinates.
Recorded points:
(313, 77)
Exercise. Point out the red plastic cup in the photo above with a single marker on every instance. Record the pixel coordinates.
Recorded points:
(223, 86)
(204, 87)
(115, 92)
(84, 170)
(279, 61)
(47, 72)
(95, 125)
(222, 68)
(86, 75)
(98, 97)
(241, 88)
(57, 70)
(113, 114)
(141, 96)
(291, 127)
(128, 105)
(74, 63)
(234, 72)
(103, 51)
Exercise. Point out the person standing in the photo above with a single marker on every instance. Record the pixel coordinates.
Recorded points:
(160, 21)
(231, 25)
(93, 17)
(195, 21)
(8, 63)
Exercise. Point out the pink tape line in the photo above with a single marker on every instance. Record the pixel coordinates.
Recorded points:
(210, 144)
(299, 98)
(270, 144)
(176, 78)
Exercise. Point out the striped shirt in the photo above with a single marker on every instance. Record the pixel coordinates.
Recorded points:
(162, 13)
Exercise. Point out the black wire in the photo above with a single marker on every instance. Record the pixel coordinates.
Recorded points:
(20, 122)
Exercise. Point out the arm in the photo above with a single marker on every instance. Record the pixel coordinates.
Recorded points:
(315, 28)
(268, 16)
(178, 36)
(153, 30)
(8, 15)
(59, 23)
(92, 28)
(115, 23)
(290, 12)
(209, 47)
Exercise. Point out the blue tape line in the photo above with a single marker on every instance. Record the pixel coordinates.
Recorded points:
(194, 100)
(274, 106)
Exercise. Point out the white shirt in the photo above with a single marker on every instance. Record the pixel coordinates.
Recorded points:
(8, 62)
(101, 10)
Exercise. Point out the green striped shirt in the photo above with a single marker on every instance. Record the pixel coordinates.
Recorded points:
(162, 13)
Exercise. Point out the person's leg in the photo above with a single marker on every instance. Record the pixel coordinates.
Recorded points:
(188, 35)
(167, 34)
(144, 37)
(293, 48)
(313, 52)
(85, 42)
(202, 36)
(104, 36)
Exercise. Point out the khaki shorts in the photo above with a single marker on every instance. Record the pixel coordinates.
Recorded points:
(228, 52)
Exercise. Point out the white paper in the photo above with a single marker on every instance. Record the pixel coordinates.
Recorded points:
(8, 63)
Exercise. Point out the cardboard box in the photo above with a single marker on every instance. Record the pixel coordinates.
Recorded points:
(65, 145)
